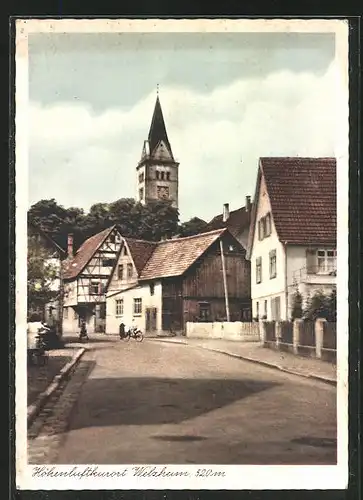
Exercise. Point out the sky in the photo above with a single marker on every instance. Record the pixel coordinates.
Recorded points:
(227, 99)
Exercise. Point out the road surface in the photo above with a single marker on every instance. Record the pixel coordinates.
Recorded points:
(163, 403)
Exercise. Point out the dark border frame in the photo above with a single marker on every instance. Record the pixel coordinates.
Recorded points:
(354, 487)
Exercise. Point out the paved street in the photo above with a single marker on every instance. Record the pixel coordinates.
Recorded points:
(169, 403)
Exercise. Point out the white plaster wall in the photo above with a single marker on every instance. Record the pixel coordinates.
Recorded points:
(128, 317)
(55, 263)
(268, 288)
(70, 293)
(120, 284)
(223, 330)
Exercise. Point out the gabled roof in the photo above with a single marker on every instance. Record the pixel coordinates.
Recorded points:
(141, 251)
(237, 222)
(157, 130)
(49, 240)
(173, 257)
(302, 193)
(73, 267)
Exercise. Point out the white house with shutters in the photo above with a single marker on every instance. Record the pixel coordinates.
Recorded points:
(292, 239)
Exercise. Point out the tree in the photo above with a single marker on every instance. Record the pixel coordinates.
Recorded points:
(297, 309)
(332, 305)
(193, 226)
(47, 215)
(321, 305)
(159, 219)
(41, 274)
(151, 222)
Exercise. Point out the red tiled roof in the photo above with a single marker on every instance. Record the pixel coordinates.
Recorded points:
(173, 257)
(84, 254)
(141, 251)
(237, 222)
(302, 193)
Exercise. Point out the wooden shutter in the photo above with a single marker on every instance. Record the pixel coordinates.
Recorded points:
(310, 261)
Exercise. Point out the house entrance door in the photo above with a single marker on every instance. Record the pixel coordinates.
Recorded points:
(151, 313)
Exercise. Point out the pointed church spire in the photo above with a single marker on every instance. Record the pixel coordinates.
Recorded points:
(157, 130)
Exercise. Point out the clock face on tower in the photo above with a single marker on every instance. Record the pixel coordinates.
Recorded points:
(163, 192)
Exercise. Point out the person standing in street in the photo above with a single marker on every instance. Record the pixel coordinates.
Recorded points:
(34, 327)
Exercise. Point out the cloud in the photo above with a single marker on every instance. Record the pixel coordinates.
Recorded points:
(80, 157)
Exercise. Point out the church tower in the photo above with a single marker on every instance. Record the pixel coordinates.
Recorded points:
(157, 171)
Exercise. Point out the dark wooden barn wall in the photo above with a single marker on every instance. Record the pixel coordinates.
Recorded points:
(204, 282)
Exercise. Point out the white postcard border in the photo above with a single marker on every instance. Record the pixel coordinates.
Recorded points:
(235, 477)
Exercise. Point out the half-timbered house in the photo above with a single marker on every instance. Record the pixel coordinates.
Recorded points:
(85, 277)
(183, 279)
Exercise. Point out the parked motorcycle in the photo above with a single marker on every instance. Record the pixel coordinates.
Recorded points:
(132, 332)
(39, 356)
(83, 336)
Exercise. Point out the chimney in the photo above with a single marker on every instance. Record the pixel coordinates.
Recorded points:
(225, 212)
(70, 245)
(248, 203)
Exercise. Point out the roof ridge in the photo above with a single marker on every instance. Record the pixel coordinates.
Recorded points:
(96, 234)
(221, 230)
(310, 158)
(140, 240)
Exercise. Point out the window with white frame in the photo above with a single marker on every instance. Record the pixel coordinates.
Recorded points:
(258, 270)
(137, 306)
(119, 307)
(321, 260)
(326, 261)
(65, 312)
(272, 264)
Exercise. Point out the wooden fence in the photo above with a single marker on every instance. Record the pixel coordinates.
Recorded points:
(330, 335)
(306, 338)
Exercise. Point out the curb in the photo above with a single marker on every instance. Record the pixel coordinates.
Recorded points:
(325, 380)
(34, 408)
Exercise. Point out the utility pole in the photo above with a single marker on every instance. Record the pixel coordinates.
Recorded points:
(224, 280)
(61, 294)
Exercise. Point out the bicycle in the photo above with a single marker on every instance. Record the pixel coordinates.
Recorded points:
(133, 332)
